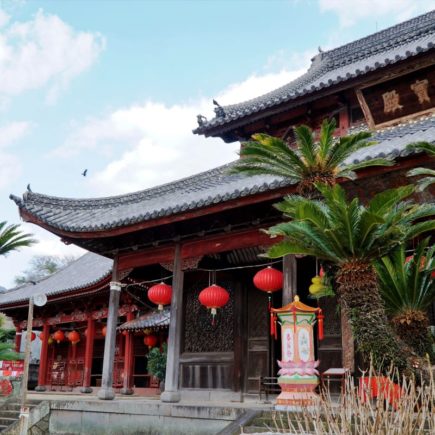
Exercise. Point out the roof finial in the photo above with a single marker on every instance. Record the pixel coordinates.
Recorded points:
(201, 120)
(219, 110)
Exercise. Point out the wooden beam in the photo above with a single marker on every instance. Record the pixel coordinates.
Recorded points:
(210, 245)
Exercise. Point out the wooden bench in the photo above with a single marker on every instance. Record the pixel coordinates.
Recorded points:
(336, 374)
(268, 385)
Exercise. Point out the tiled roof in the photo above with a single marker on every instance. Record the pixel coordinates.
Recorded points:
(86, 271)
(198, 191)
(349, 61)
(154, 319)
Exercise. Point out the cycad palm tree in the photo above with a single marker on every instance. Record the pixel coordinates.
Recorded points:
(351, 236)
(310, 161)
(408, 289)
(12, 239)
(429, 174)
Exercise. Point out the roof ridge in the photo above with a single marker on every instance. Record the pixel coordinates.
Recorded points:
(428, 23)
(364, 55)
(122, 198)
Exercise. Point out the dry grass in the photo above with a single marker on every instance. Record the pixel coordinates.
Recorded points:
(413, 413)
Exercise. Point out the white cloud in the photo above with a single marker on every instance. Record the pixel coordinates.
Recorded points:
(351, 11)
(152, 143)
(48, 244)
(10, 165)
(44, 51)
(12, 132)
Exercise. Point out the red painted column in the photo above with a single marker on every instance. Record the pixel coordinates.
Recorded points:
(128, 360)
(89, 351)
(18, 335)
(42, 374)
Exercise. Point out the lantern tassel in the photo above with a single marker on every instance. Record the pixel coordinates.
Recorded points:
(320, 318)
(272, 324)
(275, 328)
(213, 316)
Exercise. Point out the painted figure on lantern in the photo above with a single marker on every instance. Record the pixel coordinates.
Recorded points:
(298, 375)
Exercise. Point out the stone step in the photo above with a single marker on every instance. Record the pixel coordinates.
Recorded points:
(16, 406)
(5, 421)
(9, 413)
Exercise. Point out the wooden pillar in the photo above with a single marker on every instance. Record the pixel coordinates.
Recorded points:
(106, 392)
(171, 393)
(18, 335)
(89, 352)
(290, 271)
(42, 373)
(128, 359)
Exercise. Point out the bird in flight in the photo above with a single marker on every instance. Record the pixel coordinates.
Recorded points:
(84, 172)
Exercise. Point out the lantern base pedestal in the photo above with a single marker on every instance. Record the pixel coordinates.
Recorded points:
(297, 401)
(127, 391)
(41, 388)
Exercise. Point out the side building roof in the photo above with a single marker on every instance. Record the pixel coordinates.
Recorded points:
(389, 46)
(88, 270)
(198, 191)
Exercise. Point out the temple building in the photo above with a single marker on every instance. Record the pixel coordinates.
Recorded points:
(205, 229)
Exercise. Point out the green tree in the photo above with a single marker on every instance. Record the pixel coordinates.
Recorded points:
(429, 174)
(310, 161)
(12, 239)
(42, 266)
(7, 352)
(157, 362)
(408, 290)
(351, 236)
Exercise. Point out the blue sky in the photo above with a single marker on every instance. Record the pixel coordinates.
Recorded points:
(115, 86)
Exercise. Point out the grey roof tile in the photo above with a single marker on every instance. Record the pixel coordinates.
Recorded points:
(357, 58)
(210, 187)
(153, 319)
(87, 270)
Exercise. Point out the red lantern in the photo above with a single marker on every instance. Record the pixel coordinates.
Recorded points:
(32, 336)
(59, 336)
(150, 341)
(214, 297)
(268, 280)
(104, 331)
(125, 333)
(74, 337)
(41, 336)
(160, 294)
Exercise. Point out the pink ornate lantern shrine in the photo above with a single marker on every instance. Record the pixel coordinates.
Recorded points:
(298, 375)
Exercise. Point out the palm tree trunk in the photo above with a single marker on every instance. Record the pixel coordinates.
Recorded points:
(359, 293)
(412, 326)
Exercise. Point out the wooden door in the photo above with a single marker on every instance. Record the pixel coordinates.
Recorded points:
(258, 356)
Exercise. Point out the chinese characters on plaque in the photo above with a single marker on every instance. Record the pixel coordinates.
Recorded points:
(402, 96)
(392, 98)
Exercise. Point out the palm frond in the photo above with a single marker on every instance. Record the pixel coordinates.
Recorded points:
(306, 145)
(427, 147)
(12, 239)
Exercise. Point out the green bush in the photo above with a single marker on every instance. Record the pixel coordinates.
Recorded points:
(157, 362)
